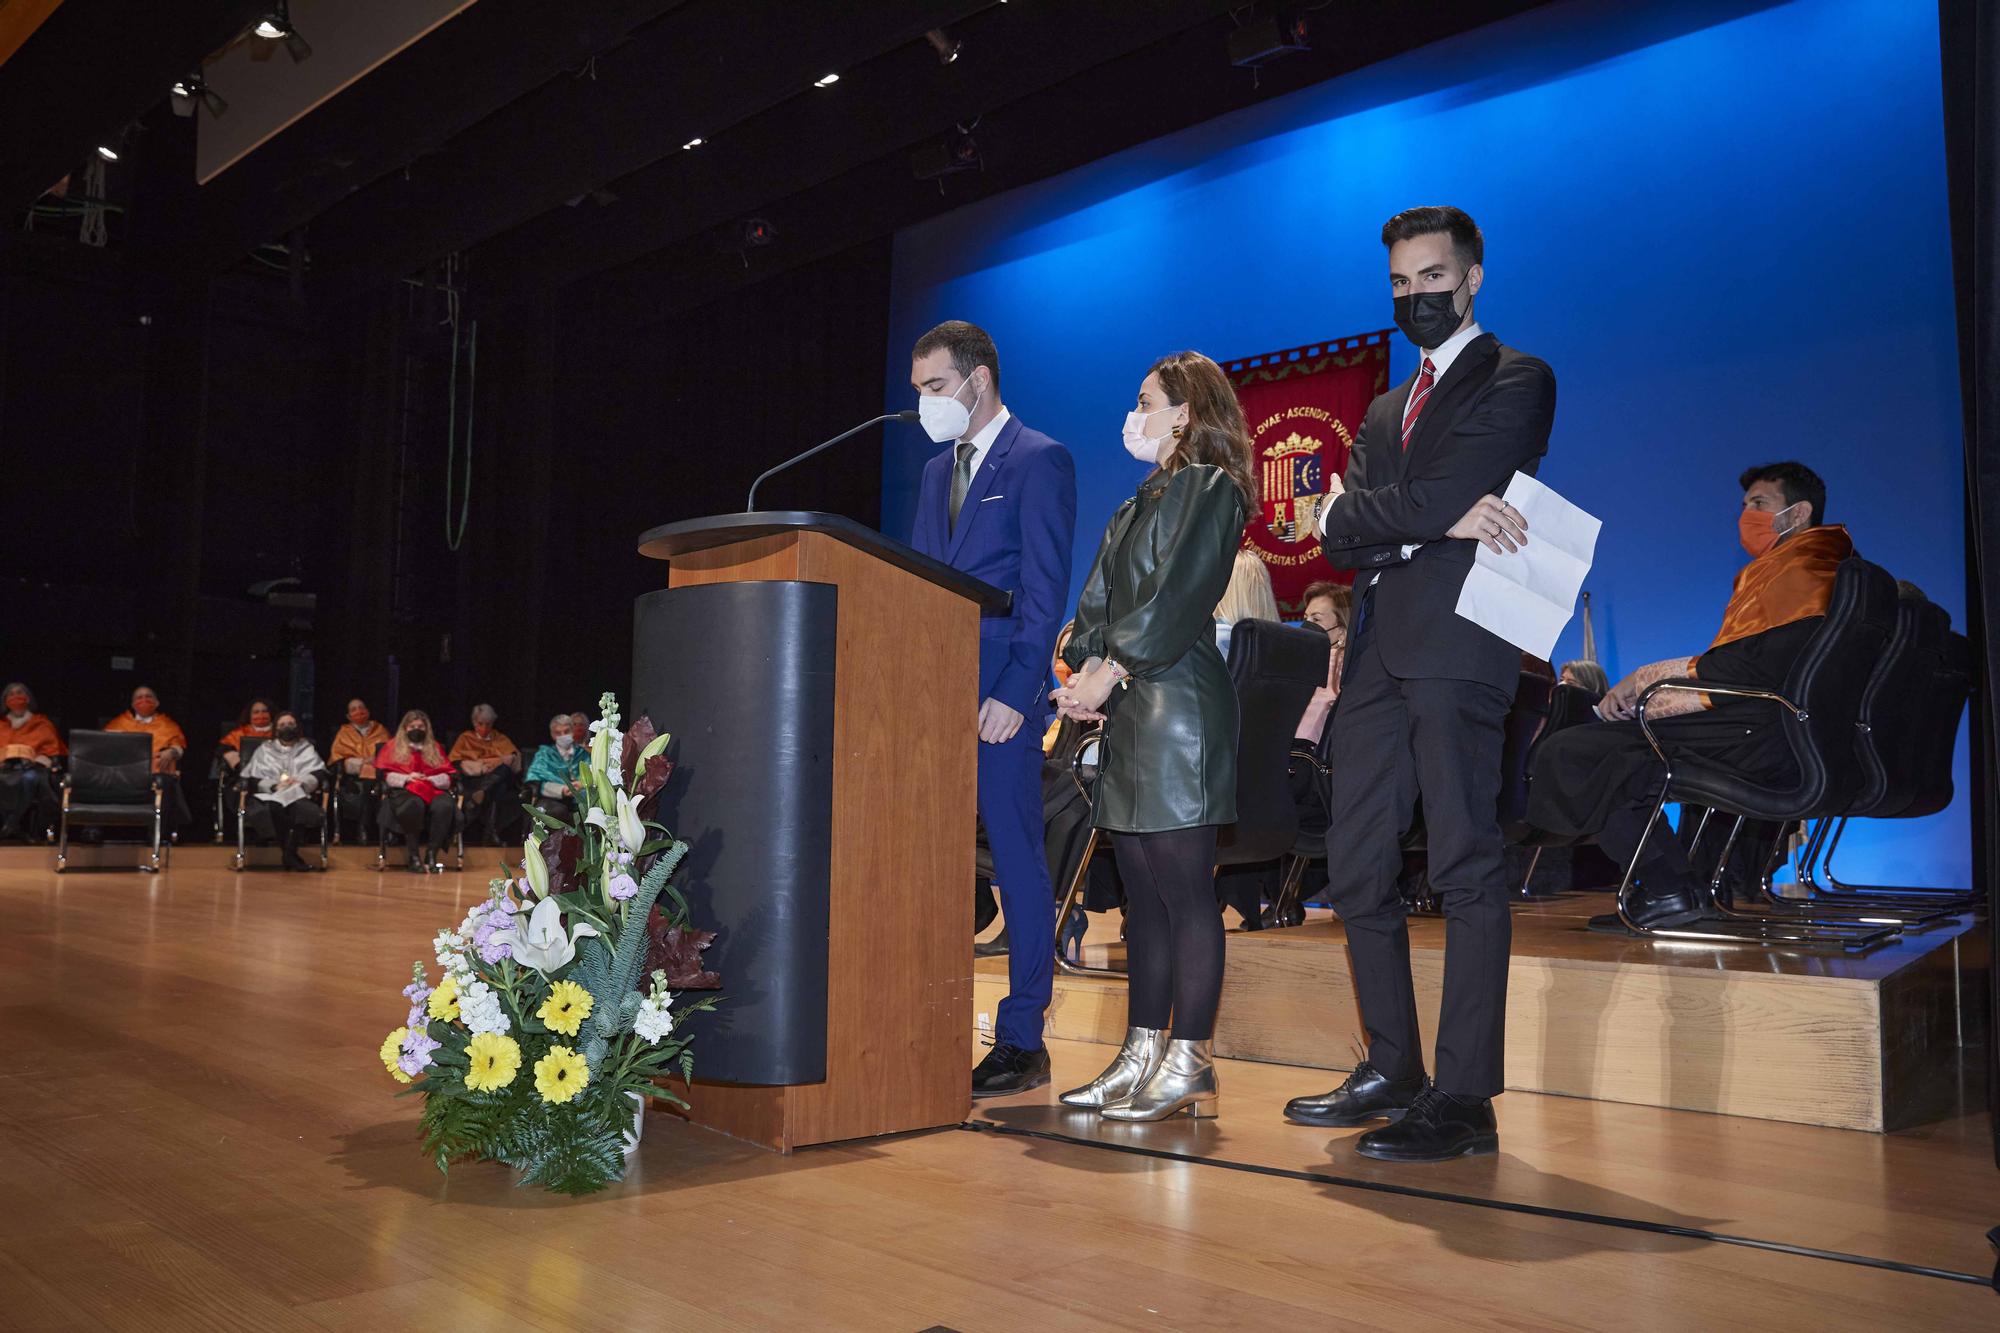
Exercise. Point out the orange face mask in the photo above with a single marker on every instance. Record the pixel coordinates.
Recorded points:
(1758, 530)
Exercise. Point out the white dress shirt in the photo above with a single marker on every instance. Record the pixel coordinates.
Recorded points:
(1440, 358)
(983, 441)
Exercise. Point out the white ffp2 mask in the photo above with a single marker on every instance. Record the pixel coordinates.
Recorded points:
(943, 416)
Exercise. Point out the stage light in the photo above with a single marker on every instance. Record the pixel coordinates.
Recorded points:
(277, 26)
(826, 80)
(958, 152)
(194, 88)
(108, 154)
(756, 232)
(1268, 37)
(946, 46)
(695, 142)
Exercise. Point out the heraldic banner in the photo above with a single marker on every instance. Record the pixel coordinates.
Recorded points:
(1304, 406)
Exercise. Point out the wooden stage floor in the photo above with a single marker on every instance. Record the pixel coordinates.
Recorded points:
(199, 1136)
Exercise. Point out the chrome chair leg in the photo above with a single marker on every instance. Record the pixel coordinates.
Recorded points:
(1289, 888)
(1071, 898)
(1734, 927)
(62, 835)
(1959, 900)
(159, 817)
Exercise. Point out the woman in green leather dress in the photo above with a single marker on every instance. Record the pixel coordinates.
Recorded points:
(1146, 661)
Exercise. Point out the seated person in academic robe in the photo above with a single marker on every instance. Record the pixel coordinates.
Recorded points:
(169, 745)
(554, 772)
(29, 748)
(418, 802)
(255, 720)
(352, 760)
(282, 778)
(1602, 779)
(489, 769)
(1585, 676)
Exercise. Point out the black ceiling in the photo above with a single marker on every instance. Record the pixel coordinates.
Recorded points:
(542, 143)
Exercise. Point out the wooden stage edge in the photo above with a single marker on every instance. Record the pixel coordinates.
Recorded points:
(1869, 1042)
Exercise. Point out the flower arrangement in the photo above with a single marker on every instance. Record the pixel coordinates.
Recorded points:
(554, 1014)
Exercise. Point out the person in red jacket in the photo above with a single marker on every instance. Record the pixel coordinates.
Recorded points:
(419, 800)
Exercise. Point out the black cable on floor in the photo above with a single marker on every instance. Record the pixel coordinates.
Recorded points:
(1498, 1205)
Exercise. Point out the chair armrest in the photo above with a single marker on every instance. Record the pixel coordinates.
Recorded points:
(1688, 683)
(1083, 742)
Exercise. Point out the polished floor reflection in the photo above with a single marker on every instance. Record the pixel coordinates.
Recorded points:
(199, 1136)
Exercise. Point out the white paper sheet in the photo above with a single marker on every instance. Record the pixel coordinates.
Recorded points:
(1528, 596)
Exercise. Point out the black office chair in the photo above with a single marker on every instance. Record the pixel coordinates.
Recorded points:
(1567, 706)
(1921, 729)
(1309, 765)
(110, 783)
(1274, 668)
(1817, 714)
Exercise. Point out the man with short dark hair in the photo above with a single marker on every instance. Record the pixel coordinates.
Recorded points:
(1424, 700)
(1603, 779)
(1000, 504)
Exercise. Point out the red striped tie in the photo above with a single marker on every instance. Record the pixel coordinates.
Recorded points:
(1418, 397)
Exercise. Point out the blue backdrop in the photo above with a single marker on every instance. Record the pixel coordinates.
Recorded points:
(1723, 224)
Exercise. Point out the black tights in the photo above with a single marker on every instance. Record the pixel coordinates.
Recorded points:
(1173, 929)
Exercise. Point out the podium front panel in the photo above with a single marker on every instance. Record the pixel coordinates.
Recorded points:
(742, 674)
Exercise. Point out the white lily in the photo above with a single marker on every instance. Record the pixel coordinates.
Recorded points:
(536, 866)
(541, 942)
(596, 816)
(631, 829)
(655, 746)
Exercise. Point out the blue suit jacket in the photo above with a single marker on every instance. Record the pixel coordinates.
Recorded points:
(1015, 531)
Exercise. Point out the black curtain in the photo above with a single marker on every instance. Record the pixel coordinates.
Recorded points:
(1970, 44)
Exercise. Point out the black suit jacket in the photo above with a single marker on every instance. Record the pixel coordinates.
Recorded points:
(1487, 418)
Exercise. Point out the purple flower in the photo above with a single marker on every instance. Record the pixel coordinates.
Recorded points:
(622, 887)
(418, 995)
(416, 1056)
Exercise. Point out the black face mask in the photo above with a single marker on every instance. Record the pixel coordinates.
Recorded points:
(417, 735)
(1428, 319)
(288, 734)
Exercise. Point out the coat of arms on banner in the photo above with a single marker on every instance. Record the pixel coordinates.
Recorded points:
(1304, 407)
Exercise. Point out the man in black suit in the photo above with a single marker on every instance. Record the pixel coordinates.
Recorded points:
(1424, 701)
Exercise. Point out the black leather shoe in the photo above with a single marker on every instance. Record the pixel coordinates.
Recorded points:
(1436, 1128)
(1365, 1096)
(993, 948)
(1009, 1069)
(1652, 911)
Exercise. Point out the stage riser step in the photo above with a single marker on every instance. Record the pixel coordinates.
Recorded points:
(1853, 1052)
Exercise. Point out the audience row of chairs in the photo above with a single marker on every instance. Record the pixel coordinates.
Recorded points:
(108, 782)
(1871, 713)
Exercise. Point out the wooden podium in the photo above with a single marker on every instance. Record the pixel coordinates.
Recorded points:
(821, 682)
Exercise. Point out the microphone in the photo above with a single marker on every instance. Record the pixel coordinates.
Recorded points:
(908, 414)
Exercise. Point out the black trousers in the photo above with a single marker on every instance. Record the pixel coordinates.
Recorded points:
(354, 798)
(27, 798)
(284, 824)
(492, 802)
(421, 825)
(1392, 740)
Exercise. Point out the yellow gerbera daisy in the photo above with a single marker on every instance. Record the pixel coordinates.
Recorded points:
(444, 1000)
(566, 1008)
(493, 1059)
(561, 1074)
(392, 1046)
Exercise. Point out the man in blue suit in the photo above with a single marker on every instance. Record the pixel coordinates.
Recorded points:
(1000, 504)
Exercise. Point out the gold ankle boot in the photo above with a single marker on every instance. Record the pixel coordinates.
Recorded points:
(1185, 1081)
(1135, 1062)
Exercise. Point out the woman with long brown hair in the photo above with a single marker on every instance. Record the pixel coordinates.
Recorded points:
(1145, 658)
(418, 800)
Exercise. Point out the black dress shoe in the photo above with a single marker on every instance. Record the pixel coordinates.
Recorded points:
(1651, 911)
(1365, 1096)
(1436, 1128)
(993, 948)
(1009, 1069)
